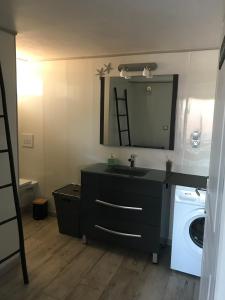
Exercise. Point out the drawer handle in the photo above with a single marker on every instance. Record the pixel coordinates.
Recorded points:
(118, 233)
(118, 206)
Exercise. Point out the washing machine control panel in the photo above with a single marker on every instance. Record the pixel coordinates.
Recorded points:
(190, 195)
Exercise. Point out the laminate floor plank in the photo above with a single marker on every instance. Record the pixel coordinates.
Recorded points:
(154, 279)
(84, 292)
(42, 296)
(40, 277)
(196, 289)
(136, 261)
(45, 237)
(102, 272)
(94, 282)
(62, 268)
(46, 245)
(44, 241)
(122, 286)
(186, 286)
(27, 217)
(175, 288)
(32, 228)
(64, 283)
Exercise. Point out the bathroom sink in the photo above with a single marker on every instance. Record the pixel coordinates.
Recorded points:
(123, 170)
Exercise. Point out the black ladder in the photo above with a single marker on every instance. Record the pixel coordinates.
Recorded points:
(12, 185)
(122, 115)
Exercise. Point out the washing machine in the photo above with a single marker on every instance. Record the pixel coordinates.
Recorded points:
(188, 230)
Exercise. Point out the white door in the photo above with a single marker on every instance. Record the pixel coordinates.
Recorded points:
(215, 197)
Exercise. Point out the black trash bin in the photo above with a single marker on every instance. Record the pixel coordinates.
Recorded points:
(67, 203)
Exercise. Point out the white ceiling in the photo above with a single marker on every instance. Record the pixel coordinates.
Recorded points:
(50, 29)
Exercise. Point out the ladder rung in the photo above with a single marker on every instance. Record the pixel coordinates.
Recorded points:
(122, 115)
(123, 130)
(8, 220)
(2, 116)
(123, 99)
(5, 186)
(9, 256)
(4, 150)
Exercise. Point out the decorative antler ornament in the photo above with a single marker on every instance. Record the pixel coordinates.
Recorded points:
(108, 68)
(104, 70)
(100, 72)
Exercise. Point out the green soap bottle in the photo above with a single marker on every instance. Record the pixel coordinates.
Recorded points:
(112, 160)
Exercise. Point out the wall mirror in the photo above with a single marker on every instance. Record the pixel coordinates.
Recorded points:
(138, 111)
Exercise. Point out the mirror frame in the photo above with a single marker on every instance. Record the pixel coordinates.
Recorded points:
(172, 118)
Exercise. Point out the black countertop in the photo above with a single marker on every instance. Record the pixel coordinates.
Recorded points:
(189, 180)
(171, 178)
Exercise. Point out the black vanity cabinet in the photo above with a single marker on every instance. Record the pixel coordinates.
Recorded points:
(122, 210)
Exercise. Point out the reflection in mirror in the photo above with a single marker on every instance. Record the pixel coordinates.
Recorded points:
(139, 111)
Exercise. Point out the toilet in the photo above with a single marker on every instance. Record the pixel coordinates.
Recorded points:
(28, 190)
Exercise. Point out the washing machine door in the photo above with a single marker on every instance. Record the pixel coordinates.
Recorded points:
(196, 231)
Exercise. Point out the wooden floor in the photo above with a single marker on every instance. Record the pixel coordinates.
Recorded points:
(61, 267)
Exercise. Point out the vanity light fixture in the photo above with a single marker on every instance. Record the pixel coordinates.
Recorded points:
(145, 68)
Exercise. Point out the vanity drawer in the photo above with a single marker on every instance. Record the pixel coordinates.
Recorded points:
(142, 237)
(133, 185)
(136, 208)
(138, 202)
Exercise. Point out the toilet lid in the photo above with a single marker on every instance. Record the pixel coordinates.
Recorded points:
(23, 182)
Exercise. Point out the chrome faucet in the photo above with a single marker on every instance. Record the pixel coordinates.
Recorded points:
(132, 160)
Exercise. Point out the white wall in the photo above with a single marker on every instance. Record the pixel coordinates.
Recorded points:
(30, 117)
(8, 232)
(64, 116)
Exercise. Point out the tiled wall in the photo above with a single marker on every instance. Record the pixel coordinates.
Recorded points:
(62, 110)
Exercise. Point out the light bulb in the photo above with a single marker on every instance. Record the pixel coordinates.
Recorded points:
(144, 72)
(147, 72)
(122, 73)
